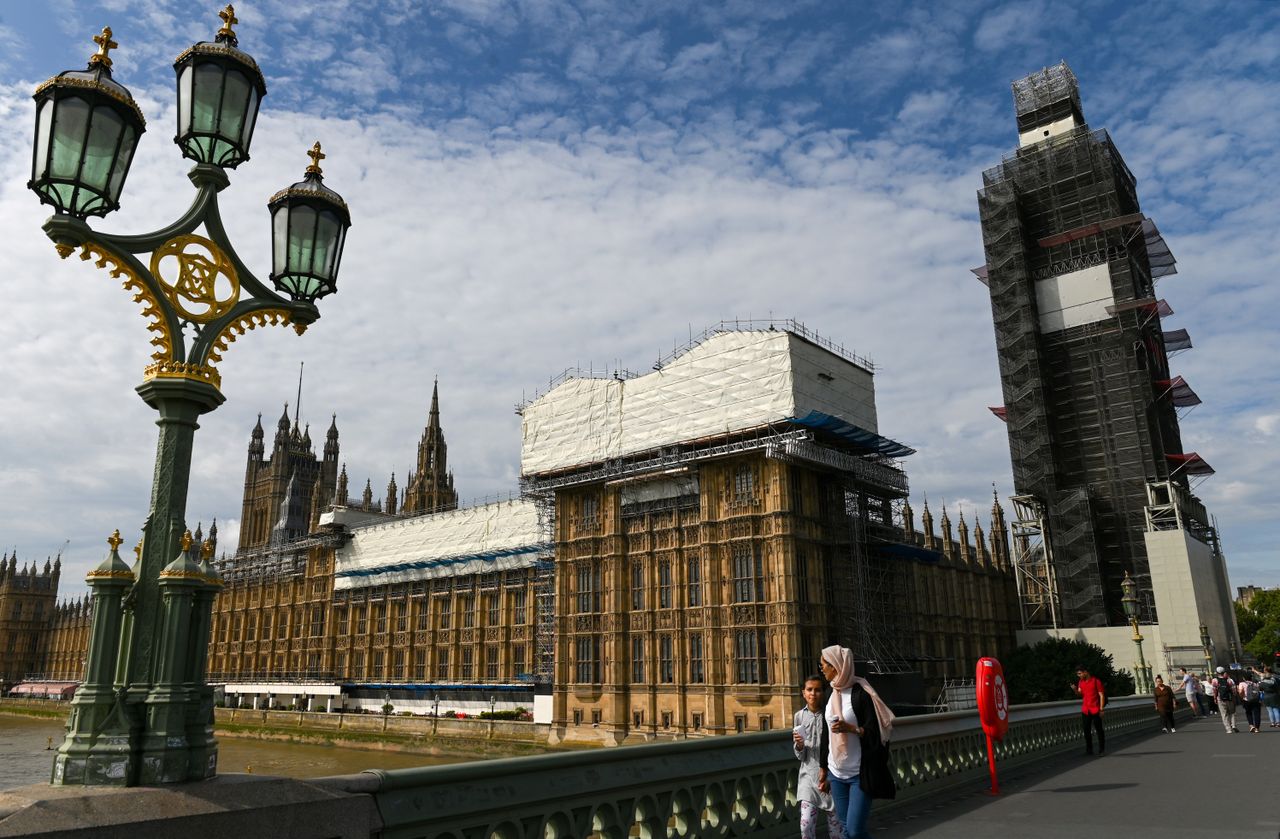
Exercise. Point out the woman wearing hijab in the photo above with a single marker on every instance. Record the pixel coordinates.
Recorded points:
(861, 726)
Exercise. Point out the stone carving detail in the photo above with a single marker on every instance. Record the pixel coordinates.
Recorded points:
(493, 633)
(742, 614)
(693, 617)
(666, 619)
(467, 636)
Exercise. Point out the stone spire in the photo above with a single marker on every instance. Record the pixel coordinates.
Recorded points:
(963, 530)
(999, 532)
(366, 501)
(340, 490)
(430, 486)
(393, 495)
(980, 544)
(331, 442)
(908, 522)
(256, 448)
(282, 429)
(926, 522)
(948, 544)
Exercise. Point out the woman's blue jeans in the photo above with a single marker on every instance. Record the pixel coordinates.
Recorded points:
(853, 806)
(1273, 712)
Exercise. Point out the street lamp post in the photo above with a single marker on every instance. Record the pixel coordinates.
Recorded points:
(1129, 599)
(144, 714)
(1206, 643)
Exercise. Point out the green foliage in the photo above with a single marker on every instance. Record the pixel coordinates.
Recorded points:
(1260, 625)
(1045, 672)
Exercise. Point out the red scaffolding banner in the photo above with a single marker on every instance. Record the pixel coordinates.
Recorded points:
(1000, 411)
(1177, 388)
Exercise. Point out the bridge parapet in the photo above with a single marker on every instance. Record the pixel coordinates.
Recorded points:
(713, 787)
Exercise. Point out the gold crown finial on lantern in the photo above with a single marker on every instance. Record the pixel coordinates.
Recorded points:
(206, 550)
(114, 540)
(105, 46)
(316, 156)
(186, 541)
(229, 20)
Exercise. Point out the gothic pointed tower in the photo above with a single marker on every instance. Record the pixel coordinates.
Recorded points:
(430, 487)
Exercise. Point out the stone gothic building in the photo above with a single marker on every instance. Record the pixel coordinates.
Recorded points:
(27, 603)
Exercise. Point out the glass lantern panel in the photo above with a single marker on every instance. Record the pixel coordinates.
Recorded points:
(184, 100)
(251, 116)
(206, 97)
(100, 150)
(44, 125)
(326, 245)
(235, 99)
(123, 159)
(68, 137)
(279, 238)
(302, 239)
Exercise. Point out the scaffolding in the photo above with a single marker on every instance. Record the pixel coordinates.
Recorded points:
(1087, 425)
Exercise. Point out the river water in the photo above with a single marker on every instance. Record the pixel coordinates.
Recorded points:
(24, 758)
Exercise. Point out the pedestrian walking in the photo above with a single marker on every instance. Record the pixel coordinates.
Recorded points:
(1093, 699)
(810, 739)
(1207, 699)
(1224, 693)
(861, 726)
(1251, 700)
(1269, 687)
(1165, 703)
(1190, 686)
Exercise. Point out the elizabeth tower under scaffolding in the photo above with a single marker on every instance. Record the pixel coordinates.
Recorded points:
(1091, 408)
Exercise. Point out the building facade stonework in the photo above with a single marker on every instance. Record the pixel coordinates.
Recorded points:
(28, 596)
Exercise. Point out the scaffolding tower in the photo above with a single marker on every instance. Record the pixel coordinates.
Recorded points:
(1088, 423)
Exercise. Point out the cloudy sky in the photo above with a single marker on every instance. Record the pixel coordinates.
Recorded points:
(542, 184)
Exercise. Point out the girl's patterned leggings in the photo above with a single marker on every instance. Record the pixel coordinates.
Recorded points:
(809, 822)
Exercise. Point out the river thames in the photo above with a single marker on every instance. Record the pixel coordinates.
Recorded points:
(24, 758)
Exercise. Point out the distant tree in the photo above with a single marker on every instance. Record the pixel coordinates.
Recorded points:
(1045, 672)
(1259, 625)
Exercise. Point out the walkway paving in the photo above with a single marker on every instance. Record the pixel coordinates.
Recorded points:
(1199, 782)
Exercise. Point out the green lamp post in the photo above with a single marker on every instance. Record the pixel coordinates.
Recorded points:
(150, 721)
(1206, 643)
(1129, 599)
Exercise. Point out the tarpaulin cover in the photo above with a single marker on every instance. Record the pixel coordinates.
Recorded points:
(859, 437)
(1190, 463)
(1162, 262)
(733, 381)
(60, 690)
(1178, 389)
(478, 540)
(982, 273)
(1000, 411)
(1178, 339)
(1160, 307)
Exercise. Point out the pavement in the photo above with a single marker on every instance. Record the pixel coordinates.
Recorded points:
(1197, 782)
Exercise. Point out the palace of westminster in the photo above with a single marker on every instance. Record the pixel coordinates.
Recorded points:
(681, 583)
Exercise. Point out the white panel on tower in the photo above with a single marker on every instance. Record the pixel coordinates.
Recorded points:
(1074, 299)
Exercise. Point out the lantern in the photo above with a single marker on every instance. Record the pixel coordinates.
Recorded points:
(309, 225)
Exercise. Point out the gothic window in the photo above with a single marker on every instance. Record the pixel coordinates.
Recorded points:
(379, 662)
(590, 507)
(402, 620)
(802, 577)
(420, 665)
(468, 664)
(695, 581)
(588, 587)
(399, 665)
(491, 662)
(424, 615)
(380, 619)
(748, 572)
(362, 620)
(491, 607)
(343, 620)
(266, 626)
(666, 663)
(637, 585)
(518, 660)
(744, 485)
(444, 608)
(467, 605)
(357, 664)
(251, 634)
(340, 666)
(588, 659)
(696, 674)
(637, 659)
(442, 663)
(317, 621)
(664, 584)
(750, 657)
(518, 607)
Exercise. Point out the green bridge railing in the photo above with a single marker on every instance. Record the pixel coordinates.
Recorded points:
(716, 787)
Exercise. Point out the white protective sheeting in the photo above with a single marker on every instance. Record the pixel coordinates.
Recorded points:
(1073, 299)
(731, 382)
(477, 540)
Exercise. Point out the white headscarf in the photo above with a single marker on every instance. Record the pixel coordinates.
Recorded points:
(841, 658)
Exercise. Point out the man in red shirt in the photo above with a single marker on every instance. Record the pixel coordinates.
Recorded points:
(1093, 696)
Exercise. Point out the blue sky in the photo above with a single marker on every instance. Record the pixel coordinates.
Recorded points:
(538, 185)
